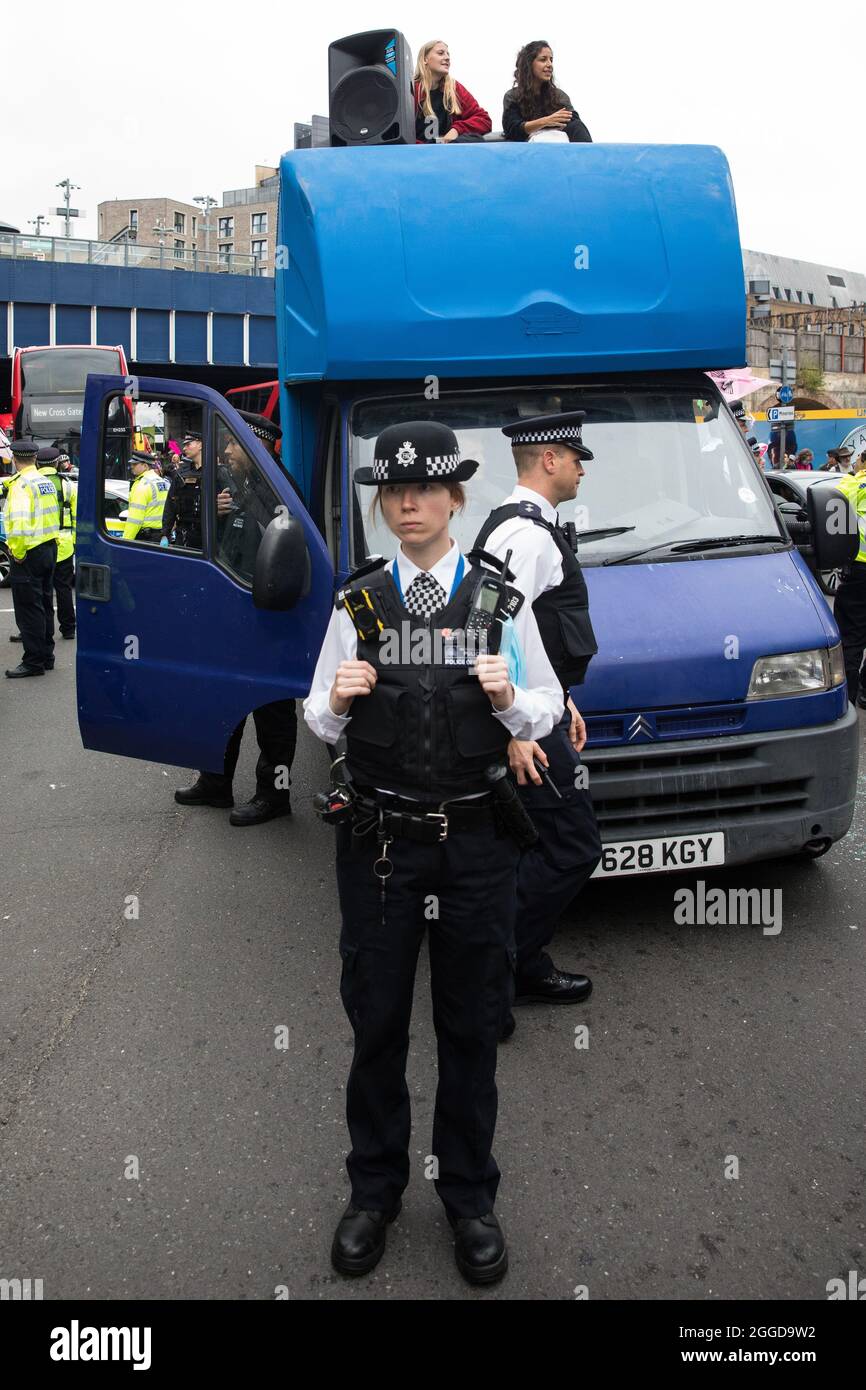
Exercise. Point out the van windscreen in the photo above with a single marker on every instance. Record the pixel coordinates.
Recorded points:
(668, 466)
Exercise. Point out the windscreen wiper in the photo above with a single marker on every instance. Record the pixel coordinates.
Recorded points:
(683, 547)
(716, 542)
(603, 531)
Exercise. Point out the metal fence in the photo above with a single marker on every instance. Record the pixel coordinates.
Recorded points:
(128, 254)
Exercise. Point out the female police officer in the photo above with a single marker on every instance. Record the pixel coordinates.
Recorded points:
(423, 720)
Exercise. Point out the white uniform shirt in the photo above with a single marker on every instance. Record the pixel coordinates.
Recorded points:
(535, 561)
(536, 708)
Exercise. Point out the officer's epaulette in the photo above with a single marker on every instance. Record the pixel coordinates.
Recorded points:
(370, 565)
(484, 557)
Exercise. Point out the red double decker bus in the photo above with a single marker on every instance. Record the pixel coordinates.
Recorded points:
(48, 398)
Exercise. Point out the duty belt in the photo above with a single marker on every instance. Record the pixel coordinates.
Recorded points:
(425, 822)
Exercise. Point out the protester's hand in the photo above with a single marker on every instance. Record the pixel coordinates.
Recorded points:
(492, 672)
(558, 120)
(520, 755)
(577, 731)
(451, 135)
(224, 502)
(352, 678)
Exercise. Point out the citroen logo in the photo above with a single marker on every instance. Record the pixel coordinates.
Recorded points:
(640, 726)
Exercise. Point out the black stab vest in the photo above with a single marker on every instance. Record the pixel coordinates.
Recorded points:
(562, 613)
(426, 731)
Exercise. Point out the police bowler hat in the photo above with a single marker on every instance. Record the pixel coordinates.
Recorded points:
(415, 452)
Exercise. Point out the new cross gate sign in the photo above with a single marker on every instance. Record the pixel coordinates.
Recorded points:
(780, 414)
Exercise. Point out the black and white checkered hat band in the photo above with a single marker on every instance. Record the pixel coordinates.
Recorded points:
(553, 436)
(388, 471)
(262, 434)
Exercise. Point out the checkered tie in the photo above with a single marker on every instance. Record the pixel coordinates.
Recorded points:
(425, 596)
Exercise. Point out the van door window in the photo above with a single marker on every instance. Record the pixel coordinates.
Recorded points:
(159, 495)
(245, 504)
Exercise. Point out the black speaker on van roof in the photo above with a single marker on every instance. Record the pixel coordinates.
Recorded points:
(370, 89)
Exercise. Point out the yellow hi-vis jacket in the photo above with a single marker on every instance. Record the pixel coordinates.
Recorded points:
(31, 515)
(146, 503)
(67, 501)
(854, 487)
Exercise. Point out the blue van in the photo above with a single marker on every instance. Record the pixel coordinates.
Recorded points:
(476, 285)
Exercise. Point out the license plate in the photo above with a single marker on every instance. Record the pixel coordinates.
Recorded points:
(658, 856)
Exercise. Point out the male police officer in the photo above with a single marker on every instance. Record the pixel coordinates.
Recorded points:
(50, 461)
(849, 609)
(147, 498)
(32, 522)
(547, 452)
(245, 508)
(182, 513)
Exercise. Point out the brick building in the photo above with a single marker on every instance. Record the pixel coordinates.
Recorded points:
(244, 225)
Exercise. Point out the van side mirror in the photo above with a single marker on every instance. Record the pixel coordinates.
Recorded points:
(833, 523)
(282, 571)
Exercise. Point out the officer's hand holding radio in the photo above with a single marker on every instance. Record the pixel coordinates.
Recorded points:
(521, 759)
(352, 678)
(492, 672)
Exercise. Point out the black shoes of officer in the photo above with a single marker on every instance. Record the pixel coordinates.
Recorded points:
(557, 987)
(508, 1027)
(479, 1248)
(260, 809)
(15, 637)
(205, 791)
(68, 636)
(359, 1240)
(18, 672)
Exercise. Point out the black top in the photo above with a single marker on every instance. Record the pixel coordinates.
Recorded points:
(513, 117)
(437, 101)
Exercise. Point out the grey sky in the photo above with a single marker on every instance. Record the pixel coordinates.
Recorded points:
(182, 99)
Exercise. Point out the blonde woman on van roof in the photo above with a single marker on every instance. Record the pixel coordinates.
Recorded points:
(444, 110)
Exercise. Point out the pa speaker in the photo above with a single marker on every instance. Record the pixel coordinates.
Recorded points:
(370, 90)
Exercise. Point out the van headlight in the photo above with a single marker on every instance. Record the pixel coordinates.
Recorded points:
(796, 673)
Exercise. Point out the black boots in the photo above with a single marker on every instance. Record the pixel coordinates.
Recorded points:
(206, 790)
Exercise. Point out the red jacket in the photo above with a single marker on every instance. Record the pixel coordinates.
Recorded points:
(473, 119)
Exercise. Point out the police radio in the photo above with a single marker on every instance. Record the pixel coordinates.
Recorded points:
(492, 602)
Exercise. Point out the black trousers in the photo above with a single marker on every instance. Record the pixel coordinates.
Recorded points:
(849, 611)
(277, 734)
(64, 574)
(554, 870)
(33, 602)
(463, 891)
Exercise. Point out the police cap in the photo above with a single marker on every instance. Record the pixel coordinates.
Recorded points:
(262, 426)
(48, 455)
(142, 456)
(561, 428)
(24, 448)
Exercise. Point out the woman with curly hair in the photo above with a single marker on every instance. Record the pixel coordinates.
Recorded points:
(535, 108)
(444, 110)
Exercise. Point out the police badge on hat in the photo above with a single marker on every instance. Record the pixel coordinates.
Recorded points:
(562, 428)
(415, 452)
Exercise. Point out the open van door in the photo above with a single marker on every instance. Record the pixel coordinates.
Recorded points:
(177, 644)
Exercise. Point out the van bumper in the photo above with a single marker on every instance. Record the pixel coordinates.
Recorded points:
(771, 794)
